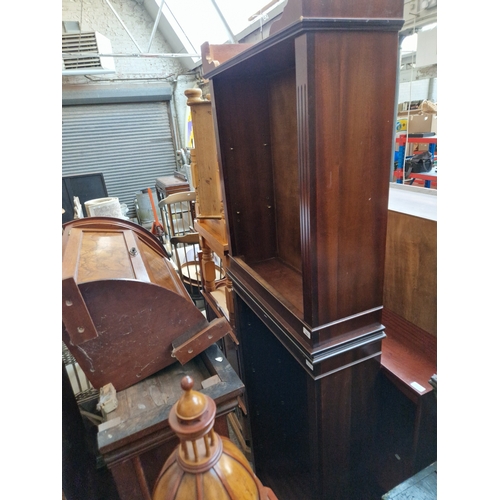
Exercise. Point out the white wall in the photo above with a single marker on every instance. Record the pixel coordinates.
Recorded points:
(96, 15)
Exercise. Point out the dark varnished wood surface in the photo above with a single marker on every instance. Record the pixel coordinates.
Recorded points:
(407, 423)
(137, 323)
(286, 281)
(283, 110)
(340, 165)
(246, 196)
(297, 9)
(310, 426)
(309, 436)
(278, 313)
(123, 304)
(349, 193)
(409, 354)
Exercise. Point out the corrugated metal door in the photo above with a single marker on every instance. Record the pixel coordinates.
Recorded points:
(129, 143)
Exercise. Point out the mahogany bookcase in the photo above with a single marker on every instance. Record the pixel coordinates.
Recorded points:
(304, 128)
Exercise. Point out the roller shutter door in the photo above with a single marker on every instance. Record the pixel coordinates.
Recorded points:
(129, 143)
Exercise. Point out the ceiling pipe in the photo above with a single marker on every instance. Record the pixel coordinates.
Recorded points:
(157, 20)
(86, 55)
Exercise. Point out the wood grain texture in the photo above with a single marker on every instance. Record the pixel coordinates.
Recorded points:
(409, 354)
(247, 196)
(297, 9)
(348, 161)
(283, 114)
(311, 426)
(207, 178)
(309, 436)
(343, 85)
(121, 329)
(410, 287)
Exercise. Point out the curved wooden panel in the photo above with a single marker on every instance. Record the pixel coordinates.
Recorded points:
(136, 324)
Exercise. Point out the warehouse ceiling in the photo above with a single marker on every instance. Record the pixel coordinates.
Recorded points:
(187, 24)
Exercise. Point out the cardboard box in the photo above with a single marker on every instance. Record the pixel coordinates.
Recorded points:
(417, 123)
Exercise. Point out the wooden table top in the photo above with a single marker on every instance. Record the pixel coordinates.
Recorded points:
(143, 408)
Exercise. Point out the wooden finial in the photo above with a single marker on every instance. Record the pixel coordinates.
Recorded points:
(192, 404)
(193, 95)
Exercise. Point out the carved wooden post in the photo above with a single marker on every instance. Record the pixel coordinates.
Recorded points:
(207, 265)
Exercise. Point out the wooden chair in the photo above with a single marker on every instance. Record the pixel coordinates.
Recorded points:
(186, 250)
(177, 213)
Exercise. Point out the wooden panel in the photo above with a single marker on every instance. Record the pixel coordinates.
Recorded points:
(213, 55)
(206, 177)
(344, 72)
(244, 148)
(297, 9)
(214, 232)
(409, 355)
(99, 247)
(350, 164)
(406, 434)
(410, 288)
(171, 184)
(118, 324)
(285, 281)
(310, 437)
(283, 114)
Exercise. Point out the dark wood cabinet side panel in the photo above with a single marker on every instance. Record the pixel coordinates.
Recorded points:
(283, 119)
(345, 418)
(277, 398)
(242, 116)
(352, 162)
(333, 395)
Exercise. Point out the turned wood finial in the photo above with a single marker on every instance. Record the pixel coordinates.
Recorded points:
(193, 95)
(204, 465)
(192, 419)
(192, 404)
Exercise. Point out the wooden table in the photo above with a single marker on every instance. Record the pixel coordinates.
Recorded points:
(171, 184)
(136, 440)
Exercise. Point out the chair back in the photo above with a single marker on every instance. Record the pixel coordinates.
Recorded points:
(185, 249)
(177, 213)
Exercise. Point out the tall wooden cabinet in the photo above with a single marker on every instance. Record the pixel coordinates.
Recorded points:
(304, 123)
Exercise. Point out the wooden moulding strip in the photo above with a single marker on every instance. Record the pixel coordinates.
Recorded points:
(76, 317)
(187, 350)
(136, 261)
